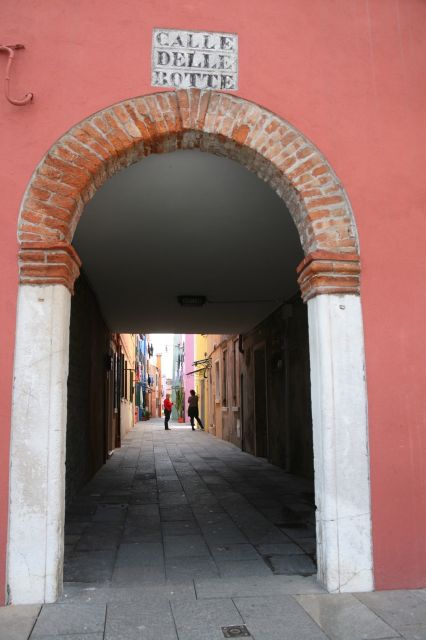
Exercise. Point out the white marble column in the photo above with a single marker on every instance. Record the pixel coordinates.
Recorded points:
(341, 457)
(37, 479)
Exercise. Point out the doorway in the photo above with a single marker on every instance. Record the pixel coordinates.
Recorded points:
(301, 177)
(260, 402)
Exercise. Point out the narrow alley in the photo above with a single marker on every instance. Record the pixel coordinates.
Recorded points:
(181, 505)
(181, 536)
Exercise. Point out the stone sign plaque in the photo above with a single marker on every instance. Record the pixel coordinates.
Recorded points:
(199, 59)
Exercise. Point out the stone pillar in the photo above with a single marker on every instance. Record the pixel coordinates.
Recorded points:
(341, 457)
(339, 416)
(37, 477)
(48, 271)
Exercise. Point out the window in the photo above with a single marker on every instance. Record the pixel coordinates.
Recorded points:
(234, 371)
(122, 376)
(217, 380)
(224, 376)
(126, 389)
(116, 383)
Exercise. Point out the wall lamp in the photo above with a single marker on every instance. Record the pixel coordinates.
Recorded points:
(199, 301)
(191, 301)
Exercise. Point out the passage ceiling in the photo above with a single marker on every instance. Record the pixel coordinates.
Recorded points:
(187, 223)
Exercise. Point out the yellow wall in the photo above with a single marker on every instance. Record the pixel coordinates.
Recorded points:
(127, 415)
(221, 417)
(205, 346)
(201, 383)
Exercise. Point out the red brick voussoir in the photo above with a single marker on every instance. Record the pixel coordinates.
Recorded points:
(103, 144)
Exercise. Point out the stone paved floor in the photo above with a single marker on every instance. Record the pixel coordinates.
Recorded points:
(181, 536)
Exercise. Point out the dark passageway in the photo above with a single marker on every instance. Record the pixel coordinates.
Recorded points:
(171, 508)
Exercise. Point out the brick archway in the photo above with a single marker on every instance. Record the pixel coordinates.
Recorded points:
(95, 149)
(67, 177)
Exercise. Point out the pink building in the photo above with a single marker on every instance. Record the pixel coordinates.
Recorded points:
(329, 111)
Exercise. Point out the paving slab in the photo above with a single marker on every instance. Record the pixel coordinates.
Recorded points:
(73, 636)
(136, 534)
(213, 517)
(203, 620)
(110, 513)
(89, 566)
(16, 622)
(150, 592)
(63, 619)
(343, 617)
(139, 563)
(115, 498)
(223, 534)
(173, 513)
(201, 500)
(180, 527)
(169, 484)
(279, 549)
(241, 568)
(189, 546)
(300, 565)
(173, 499)
(180, 570)
(413, 632)
(253, 586)
(134, 622)
(144, 497)
(227, 552)
(207, 508)
(397, 608)
(309, 545)
(277, 618)
(141, 520)
(100, 535)
(296, 533)
(263, 534)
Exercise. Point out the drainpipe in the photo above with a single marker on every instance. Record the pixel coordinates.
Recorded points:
(19, 102)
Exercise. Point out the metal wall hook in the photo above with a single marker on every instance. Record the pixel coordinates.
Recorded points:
(10, 49)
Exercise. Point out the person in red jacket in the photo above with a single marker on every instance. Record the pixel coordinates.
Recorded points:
(167, 411)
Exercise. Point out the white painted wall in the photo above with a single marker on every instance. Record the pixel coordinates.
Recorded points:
(37, 476)
(127, 410)
(341, 457)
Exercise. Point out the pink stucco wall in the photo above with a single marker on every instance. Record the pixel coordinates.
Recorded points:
(350, 75)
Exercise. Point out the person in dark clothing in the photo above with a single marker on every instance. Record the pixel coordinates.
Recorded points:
(167, 411)
(193, 410)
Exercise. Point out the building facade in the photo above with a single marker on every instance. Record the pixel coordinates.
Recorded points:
(154, 388)
(178, 381)
(254, 389)
(202, 365)
(329, 111)
(188, 367)
(140, 374)
(127, 410)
